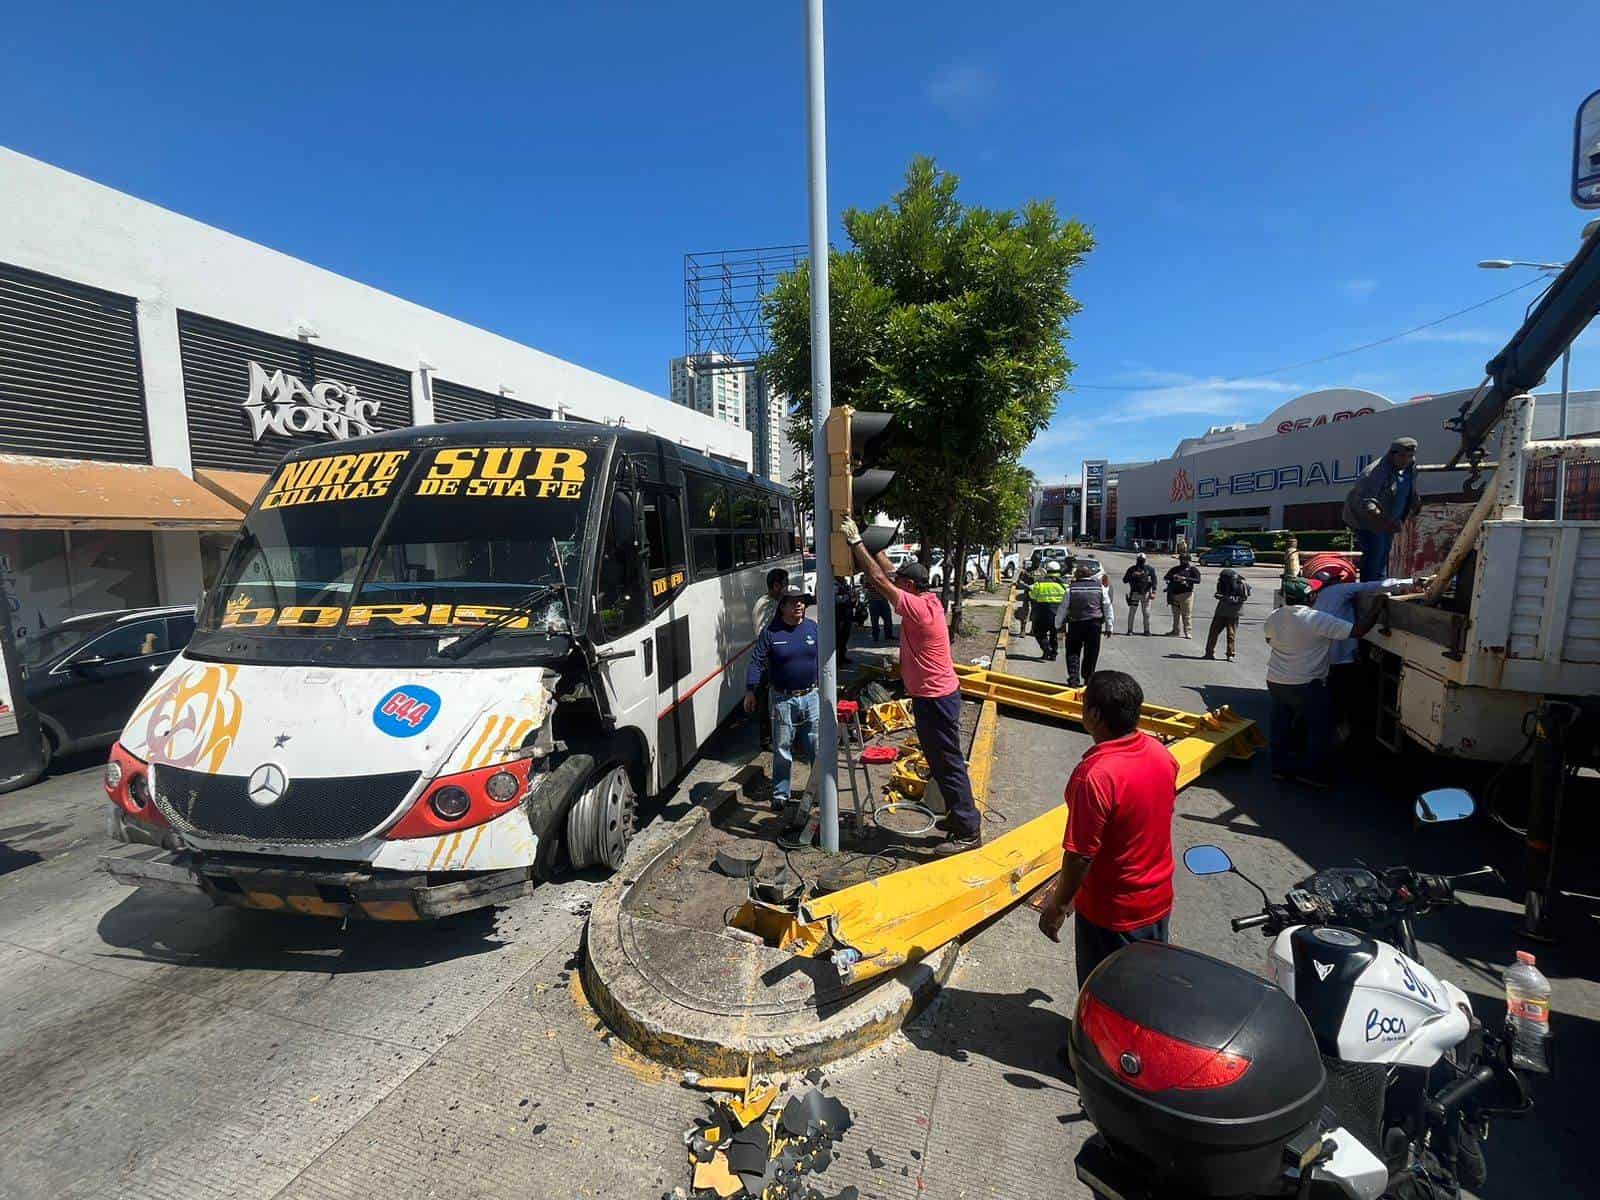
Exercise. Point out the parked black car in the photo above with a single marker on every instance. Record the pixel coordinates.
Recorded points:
(86, 675)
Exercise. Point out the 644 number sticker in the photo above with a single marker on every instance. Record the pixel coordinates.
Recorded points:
(406, 711)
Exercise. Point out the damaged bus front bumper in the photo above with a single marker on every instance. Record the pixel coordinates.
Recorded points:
(289, 885)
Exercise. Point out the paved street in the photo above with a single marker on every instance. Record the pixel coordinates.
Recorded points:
(152, 1046)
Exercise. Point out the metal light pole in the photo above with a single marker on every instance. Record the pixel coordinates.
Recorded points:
(1500, 264)
(825, 769)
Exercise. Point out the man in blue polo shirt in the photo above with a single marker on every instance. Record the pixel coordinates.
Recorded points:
(785, 658)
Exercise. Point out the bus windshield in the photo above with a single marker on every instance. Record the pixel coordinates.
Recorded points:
(376, 545)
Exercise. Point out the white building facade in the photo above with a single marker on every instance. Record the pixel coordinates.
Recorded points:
(153, 370)
(1293, 468)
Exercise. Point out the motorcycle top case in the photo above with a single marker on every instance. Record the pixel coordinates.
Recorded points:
(1194, 1070)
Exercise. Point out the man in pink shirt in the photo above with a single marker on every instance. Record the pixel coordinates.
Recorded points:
(930, 678)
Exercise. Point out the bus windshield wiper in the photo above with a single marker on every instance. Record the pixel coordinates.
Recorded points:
(522, 608)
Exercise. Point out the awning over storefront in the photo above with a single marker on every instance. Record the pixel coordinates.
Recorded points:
(73, 493)
(239, 488)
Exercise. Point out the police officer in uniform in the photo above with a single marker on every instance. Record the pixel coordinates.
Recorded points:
(1044, 597)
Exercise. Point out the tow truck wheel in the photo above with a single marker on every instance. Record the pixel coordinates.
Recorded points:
(600, 824)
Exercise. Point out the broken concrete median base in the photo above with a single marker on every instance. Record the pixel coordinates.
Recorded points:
(710, 1001)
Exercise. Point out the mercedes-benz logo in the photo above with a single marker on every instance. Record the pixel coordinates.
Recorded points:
(267, 784)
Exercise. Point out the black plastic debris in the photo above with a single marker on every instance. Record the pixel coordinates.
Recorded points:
(874, 1159)
(814, 1077)
(772, 1157)
(812, 1112)
(749, 1154)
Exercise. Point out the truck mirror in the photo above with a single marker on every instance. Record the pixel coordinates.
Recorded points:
(1444, 804)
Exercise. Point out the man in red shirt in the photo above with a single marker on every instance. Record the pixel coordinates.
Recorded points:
(930, 678)
(1116, 869)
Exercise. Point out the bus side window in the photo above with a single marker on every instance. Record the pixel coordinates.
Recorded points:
(774, 540)
(711, 522)
(619, 594)
(667, 561)
(789, 542)
(746, 526)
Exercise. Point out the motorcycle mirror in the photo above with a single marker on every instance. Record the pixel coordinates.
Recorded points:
(1444, 804)
(1207, 860)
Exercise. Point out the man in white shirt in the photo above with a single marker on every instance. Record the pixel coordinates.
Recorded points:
(1339, 600)
(1297, 678)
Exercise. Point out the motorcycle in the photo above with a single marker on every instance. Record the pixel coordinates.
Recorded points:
(1411, 1071)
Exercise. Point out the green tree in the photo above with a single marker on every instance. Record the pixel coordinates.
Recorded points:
(954, 318)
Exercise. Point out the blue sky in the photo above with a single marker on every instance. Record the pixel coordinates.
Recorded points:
(1266, 187)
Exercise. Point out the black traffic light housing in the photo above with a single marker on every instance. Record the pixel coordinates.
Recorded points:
(856, 439)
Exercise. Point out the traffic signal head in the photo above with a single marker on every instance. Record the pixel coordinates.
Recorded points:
(856, 440)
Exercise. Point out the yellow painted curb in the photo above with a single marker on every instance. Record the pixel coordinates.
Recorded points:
(980, 761)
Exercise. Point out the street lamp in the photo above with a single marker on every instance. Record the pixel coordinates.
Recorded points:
(1500, 264)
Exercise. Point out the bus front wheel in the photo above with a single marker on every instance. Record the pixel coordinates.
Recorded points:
(600, 824)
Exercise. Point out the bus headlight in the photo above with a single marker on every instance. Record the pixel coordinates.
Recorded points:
(451, 803)
(113, 775)
(502, 786)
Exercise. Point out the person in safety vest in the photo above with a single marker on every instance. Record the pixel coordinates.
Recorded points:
(1044, 596)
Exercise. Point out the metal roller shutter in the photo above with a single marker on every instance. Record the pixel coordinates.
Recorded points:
(70, 380)
(217, 382)
(457, 402)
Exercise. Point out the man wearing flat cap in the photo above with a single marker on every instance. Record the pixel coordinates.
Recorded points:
(1383, 499)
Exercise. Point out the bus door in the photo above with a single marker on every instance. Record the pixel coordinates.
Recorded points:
(621, 631)
(667, 568)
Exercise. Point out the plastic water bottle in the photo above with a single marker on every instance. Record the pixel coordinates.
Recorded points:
(1528, 1013)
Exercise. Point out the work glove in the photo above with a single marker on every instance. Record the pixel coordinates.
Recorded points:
(851, 531)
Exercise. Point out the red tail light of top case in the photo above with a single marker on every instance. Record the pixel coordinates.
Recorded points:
(1151, 1061)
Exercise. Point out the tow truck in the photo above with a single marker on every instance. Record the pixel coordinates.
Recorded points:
(1499, 661)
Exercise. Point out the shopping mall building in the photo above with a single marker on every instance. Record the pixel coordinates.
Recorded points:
(153, 370)
(1292, 469)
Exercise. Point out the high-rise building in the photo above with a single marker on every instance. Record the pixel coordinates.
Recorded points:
(739, 396)
(698, 383)
(767, 417)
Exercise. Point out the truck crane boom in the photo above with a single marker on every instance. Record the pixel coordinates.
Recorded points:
(1559, 316)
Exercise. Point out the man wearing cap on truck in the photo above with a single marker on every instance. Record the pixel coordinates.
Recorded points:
(930, 677)
(1384, 498)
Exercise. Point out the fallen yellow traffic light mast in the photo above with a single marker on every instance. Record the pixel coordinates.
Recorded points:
(885, 922)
